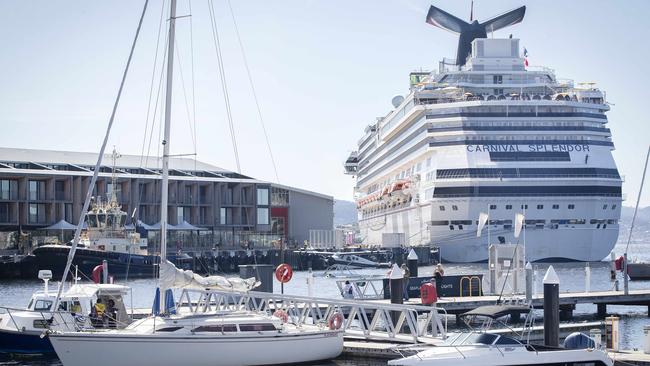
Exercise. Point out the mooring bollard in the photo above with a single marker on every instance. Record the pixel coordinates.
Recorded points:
(551, 308)
(529, 282)
(412, 263)
(396, 279)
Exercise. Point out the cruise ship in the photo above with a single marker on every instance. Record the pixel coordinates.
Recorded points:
(488, 134)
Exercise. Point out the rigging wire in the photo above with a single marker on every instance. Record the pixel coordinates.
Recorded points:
(93, 180)
(187, 108)
(222, 76)
(250, 81)
(153, 78)
(193, 88)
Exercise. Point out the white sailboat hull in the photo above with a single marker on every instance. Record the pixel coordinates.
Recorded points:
(107, 349)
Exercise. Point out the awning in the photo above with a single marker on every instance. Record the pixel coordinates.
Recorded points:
(61, 225)
(187, 226)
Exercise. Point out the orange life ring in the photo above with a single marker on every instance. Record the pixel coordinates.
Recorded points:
(283, 273)
(335, 321)
(97, 272)
(282, 315)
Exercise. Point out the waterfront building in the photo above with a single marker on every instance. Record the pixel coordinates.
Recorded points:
(41, 187)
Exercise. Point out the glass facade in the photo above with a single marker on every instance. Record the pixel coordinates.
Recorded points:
(263, 216)
(262, 196)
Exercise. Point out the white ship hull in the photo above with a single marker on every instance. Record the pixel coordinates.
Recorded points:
(547, 243)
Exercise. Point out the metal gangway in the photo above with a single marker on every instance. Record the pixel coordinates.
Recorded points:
(362, 319)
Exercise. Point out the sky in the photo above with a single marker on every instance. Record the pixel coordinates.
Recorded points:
(322, 71)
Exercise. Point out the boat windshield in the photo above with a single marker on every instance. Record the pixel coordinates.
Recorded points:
(463, 339)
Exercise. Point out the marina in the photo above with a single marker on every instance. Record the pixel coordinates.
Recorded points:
(488, 232)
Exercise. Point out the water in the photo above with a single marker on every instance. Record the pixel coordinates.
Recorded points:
(572, 278)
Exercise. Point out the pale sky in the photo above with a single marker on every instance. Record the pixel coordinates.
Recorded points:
(323, 70)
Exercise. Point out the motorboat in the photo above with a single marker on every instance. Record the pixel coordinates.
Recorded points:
(481, 347)
(484, 349)
(21, 330)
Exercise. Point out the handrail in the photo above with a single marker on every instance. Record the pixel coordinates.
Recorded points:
(364, 319)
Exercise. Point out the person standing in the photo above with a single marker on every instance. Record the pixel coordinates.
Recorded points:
(348, 291)
(437, 276)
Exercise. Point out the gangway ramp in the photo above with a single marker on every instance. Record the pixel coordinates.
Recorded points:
(362, 319)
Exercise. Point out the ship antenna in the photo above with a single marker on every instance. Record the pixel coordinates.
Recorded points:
(471, 12)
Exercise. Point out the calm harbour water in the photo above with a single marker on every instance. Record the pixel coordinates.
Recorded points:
(572, 278)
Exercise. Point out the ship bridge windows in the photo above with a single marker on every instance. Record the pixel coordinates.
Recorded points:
(530, 191)
(530, 156)
(499, 173)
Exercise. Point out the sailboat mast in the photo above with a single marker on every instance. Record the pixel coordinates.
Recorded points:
(168, 110)
(165, 142)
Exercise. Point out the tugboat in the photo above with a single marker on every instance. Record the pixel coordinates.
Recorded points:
(105, 238)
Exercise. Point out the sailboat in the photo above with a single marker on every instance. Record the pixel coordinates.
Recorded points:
(195, 335)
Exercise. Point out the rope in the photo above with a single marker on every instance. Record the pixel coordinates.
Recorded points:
(224, 85)
(250, 81)
(93, 180)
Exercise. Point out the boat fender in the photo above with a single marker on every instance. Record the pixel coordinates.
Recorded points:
(336, 321)
(283, 273)
(97, 273)
(428, 293)
(282, 315)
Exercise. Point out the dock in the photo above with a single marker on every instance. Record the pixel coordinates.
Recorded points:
(568, 301)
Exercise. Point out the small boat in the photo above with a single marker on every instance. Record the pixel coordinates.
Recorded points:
(484, 349)
(354, 260)
(21, 330)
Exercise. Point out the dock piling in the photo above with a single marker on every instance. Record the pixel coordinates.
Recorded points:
(551, 308)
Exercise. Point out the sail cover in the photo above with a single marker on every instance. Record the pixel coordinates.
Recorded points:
(172, 277)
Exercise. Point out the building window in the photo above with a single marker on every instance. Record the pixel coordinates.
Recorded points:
(59, 190)
(614, 207)
(277, 226)
(524, 207)
(571, 206)
(263, 197)
(493, 207)
(5, 189)
(222, 216)
(5, 215)
(497, 79)
(280, 197)
(508, 207)
(179, 215)
(451, 227)
(442, 208)
(540, 207)
(263, 215)
(36, 213)
(36, 190)
(556, 207)
(68, 212)
(460, 227)
(454, 207)
(605, 207)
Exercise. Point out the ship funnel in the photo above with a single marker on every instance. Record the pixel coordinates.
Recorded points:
(470, 31)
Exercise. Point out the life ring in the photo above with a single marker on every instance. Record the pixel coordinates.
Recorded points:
(97, 273)
(282, 315)
(283, 273)
(335, 321)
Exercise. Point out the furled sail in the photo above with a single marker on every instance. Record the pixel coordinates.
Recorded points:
(172, 277)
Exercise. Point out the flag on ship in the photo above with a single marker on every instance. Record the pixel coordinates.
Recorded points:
(525, 57)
